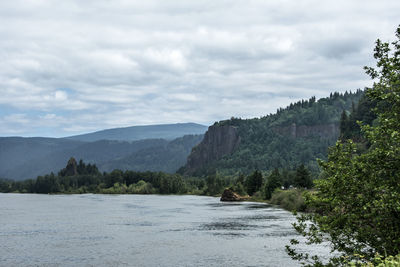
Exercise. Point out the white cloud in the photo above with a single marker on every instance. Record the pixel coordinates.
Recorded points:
(167, 58)
(77, 66)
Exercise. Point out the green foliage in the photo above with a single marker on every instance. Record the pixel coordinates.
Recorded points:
(5, 186)
(380, 261)
(173, 184)
(239, 188)
(24, 158)
(357, 206)
(289, 199)
(47, 184)
(362, 113)
(274, 180)
(116, 176)
(88, 169)
(215, 184)
(117, 188)
(141, 187)
(303, 177)
(287, 177)
(73, 168)
(254, 182)
(165, 157)
(195, 186)
(273, 142)
(88, 179)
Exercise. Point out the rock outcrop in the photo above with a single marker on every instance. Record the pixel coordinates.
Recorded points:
(218, 142)
(229, 195)
(326, 131)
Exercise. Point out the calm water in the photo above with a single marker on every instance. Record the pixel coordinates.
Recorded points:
(140, 230)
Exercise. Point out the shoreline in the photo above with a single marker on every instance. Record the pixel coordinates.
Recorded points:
(250, 199)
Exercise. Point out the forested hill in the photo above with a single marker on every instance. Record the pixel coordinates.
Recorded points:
(134, 133)
(25, 158)
(295, 135)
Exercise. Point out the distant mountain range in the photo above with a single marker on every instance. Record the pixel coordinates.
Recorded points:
(295, 135)
(134, 133)
(141, 148)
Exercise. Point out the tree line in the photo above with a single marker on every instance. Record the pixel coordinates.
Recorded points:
(86, 178)
(267, 143)
(356, 206)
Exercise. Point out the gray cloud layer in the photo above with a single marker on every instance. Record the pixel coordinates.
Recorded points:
(75, 66)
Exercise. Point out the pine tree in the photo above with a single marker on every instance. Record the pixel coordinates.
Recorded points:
(254, 182)
(303, 177)
(274, 180)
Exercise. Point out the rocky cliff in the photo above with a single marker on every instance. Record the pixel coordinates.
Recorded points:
(218, 142)
(295, 135)
(325, 131)
(261, 148)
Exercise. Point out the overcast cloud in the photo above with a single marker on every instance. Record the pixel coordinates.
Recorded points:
(73, 66)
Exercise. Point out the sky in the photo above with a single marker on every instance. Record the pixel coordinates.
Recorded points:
(71, 67)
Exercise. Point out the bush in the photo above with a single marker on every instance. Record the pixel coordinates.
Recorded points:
(379, 261)
(239, 188)
(141, 187)
(291, 200)
(117, 188)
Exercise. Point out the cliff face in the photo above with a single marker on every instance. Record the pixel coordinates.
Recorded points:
(223, 140)
(295, 135)
(218, 142)
(326, 131)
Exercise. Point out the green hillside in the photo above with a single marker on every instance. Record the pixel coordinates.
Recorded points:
(26, 158)
(167, 157)
(295, 135)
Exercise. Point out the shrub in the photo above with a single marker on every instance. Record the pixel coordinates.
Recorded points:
(291, 200)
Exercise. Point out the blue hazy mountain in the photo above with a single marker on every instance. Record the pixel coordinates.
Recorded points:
(134, 133)
(141, 148)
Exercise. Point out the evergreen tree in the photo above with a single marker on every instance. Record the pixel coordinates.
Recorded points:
(287, 178)
(356, 207)
(70, 169)
(274, 180)
(303, 177)
(214, 184)
(343, 127)
(81, 168)
(254, 182)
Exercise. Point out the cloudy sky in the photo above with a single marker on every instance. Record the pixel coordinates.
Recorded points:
(69, 67)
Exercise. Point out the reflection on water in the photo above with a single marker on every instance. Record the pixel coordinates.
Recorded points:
(140, 230)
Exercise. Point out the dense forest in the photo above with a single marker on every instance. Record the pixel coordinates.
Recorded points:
(269, 157)
(354, 202)
(166, 157)
(350, 120)
(295, 135)
(79, 177)
(355, 207)
(86, 178)
(25, 158)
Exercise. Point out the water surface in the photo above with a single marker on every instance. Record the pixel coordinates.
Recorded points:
(140, 230)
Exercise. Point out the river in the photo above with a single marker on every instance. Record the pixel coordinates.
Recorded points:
(141, 230)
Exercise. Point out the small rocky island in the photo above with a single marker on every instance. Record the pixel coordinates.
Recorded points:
(230, 195)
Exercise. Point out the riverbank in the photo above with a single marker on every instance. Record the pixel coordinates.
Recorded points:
(291, 199)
